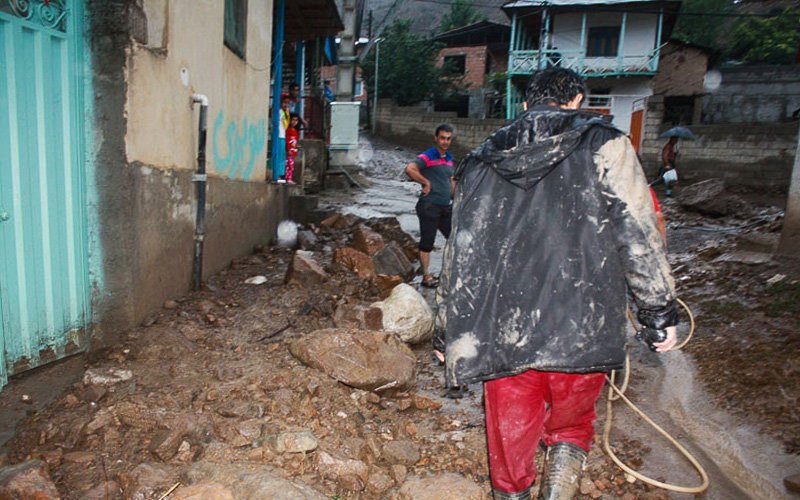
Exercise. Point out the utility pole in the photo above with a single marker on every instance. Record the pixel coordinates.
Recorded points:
(345, 74)
(789, 245)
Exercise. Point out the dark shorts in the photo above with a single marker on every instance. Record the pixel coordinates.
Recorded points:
(431, 218)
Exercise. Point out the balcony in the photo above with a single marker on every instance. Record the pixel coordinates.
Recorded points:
(526, 62)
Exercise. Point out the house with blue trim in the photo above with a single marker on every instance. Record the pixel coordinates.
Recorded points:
(614, 44)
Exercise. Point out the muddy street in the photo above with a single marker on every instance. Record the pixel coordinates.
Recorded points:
(265, 384)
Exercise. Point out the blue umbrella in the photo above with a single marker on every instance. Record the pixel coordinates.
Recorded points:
(679, 132)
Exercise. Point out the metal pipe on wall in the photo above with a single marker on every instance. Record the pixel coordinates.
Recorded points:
(200, 178)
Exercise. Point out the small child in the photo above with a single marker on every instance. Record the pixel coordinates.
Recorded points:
(279, 162)
(292, 145)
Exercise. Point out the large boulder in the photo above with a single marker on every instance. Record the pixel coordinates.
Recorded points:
(304, 270)
(447, 486)
(710, 198)
(254, 482)
(390, 229)
(391, 261)
(368, 360)
(407, 314)
(358, 316)
(27, 480)
(357, 262)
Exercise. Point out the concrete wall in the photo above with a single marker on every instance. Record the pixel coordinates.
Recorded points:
(759, 155)
(413, 127)
(754, 94)
(148, 57)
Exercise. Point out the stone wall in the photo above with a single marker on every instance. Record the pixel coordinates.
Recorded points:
(413, 127)
(758, 155)
(754, 94)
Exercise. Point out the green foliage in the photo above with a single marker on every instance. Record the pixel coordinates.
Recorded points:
(703, 30)
(407, 69)
(768, 40)
(461, 14)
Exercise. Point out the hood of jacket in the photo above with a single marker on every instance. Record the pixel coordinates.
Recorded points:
(542, 137)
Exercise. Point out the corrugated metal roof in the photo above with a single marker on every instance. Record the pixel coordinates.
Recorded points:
(569, 3)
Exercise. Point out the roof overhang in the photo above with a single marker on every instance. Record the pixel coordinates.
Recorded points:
(310, 19)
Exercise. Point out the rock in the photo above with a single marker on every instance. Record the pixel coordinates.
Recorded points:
(447, 486)
(399, 473)
(792, 483)
(167, 442)
(391, 260)
(104, 491)
(336, 469)
(106, 377)
(366, 240)
(293, 442)
(586, 485)
(401, 452)
(744, 257)
(386, 283)
(251, 429)
(358, 316)
(304, 270)
(363, 359)
(357, 262)
(204, 490)
(340, 222)
(306, 239)
(25, 480)
(147, 480)
(709, 198)
(390, 229)
(170, 304)
(379, 481)
(251, 483)
(406, 313)
(79, 457)
(423, 403)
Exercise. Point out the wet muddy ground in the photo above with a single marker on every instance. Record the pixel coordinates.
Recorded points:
(213, 386)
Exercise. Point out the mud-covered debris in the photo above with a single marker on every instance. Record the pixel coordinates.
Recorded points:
(363, 359)
(358, 316)
(792, 483)
(29, 479)
(306, 239)
(407, 314)
(348, 473)
(366, 240)
(379, 481)
(744, 257)
(447, 486)
(358, 262)
(709, 198)
(401, 452)
(391, 260)
(304, 270)
(256, 280)
(170, 304)
(106, 377)
(106, 490)
(293, 442)
(251, 482)
(147, 480)
(340, 221)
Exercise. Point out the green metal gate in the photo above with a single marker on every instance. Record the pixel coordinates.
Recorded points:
(44, 285)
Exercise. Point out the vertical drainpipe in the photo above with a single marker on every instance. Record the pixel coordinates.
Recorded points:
(300, 73)
(511, 48)
(621, 47)
(200, 178)
(276, 85)
(543, 38)
(582, 62)
(657, 55)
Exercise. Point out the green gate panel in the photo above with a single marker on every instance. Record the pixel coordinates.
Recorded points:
(44, 286)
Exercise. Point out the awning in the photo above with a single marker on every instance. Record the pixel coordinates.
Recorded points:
(310, 19)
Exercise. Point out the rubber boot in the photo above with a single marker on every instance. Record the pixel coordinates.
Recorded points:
(562, 470)
(522, 495)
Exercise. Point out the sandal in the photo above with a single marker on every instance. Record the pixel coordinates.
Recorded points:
(430, 282)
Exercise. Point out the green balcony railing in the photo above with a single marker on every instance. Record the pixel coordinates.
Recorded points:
(525, 62)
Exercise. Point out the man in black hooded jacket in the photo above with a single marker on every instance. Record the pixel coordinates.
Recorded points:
(553, 223)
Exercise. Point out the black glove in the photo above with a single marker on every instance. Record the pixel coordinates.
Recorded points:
(655, 322)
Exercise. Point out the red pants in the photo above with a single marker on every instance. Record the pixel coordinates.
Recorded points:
(289, 168)
(524, 409)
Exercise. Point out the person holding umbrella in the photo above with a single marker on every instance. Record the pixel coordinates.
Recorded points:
(669, 154)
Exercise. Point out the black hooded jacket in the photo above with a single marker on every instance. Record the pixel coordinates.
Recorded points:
(552, 222)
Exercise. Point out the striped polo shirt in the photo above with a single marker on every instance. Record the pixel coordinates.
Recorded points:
(438, 171)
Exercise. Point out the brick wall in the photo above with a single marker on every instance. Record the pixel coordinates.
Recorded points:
(757, 155)
(474, 66)
(413, 127)
(681, 70)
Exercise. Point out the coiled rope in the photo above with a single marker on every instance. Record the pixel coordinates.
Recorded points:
(615, 393)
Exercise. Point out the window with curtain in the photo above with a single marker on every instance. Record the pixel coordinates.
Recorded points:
(236, 26)
(603, 41)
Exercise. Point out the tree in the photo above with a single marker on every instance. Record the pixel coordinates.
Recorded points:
(768, 40)
(461, 14)
(702, 21)
(407, 69)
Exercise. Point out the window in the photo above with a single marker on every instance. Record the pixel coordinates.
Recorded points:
(236, 26)
(359, 89)
(603, 42)
(455, 65)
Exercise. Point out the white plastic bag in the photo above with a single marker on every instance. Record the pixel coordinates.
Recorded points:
(670, 176)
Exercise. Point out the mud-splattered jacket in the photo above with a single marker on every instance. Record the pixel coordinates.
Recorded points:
(552, 221)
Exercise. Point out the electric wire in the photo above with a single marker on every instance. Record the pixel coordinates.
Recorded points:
(615, 393)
